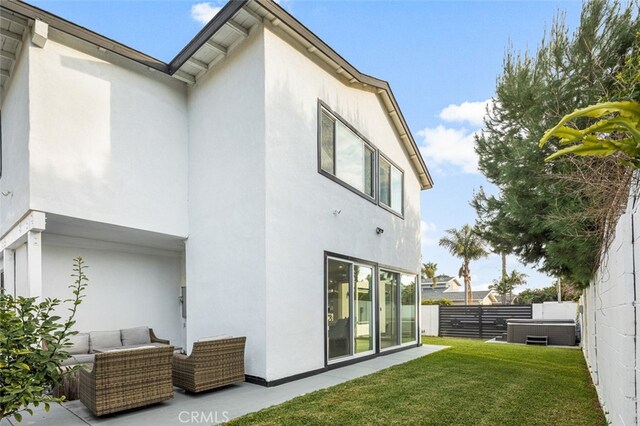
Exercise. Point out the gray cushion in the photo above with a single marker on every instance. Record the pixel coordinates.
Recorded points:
(148, 345)
(80, 344)
(218, 337)
(135, 336)
(129, 348)
(79, 359)
(104, 339)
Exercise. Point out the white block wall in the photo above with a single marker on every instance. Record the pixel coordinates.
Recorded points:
(609, 323)
(555, 310)
(429, 320)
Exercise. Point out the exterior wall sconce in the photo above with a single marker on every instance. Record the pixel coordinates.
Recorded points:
(379, 231)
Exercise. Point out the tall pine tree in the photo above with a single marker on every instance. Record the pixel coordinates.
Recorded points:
(541, 215)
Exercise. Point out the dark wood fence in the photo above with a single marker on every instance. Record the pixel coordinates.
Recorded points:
(479, 321)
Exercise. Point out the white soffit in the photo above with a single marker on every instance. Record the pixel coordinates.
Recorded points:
(12, 29)
(227, 38)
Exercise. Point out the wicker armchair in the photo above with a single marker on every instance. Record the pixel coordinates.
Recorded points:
(212, 364)
(126, 379)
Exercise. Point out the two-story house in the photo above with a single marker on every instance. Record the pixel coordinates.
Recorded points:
(257, 185)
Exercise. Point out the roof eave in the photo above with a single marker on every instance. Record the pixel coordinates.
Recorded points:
(225, 14)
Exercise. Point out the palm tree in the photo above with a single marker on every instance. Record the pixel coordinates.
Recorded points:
(429, 271)
(506, 285)
(515, 279)
(502, 287)
(466, 244)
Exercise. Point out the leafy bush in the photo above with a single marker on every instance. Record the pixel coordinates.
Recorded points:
(548, 294)
(32, 345)
(441, 302)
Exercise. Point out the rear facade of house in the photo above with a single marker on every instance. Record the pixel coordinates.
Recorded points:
(257, 185)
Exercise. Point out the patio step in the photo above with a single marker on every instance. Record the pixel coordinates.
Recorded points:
(537, 340)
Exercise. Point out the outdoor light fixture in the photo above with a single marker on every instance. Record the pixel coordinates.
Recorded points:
(337, 212)
(379, 230)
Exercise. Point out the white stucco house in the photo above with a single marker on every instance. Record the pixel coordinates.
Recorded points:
(257, 185)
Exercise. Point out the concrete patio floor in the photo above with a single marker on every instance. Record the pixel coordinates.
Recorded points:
(220, 405)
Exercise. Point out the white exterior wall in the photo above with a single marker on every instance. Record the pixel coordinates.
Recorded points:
(609, 331)
(15, 146)
(555, 310)
(21, 272)
(300, 223)
(429, 320)
(129, 286)
(225, 252)
(107, 144)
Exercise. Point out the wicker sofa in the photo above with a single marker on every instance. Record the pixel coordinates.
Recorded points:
(84, 345)
(213, 363)
(122, 379)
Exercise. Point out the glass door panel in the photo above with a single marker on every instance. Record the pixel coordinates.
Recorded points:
(408, 308)
(339, 336)
(388, 309)
(363, 308)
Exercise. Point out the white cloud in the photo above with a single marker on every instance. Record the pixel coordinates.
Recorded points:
(443, 145)
(426, 228)
(470, 112)
(204, 12)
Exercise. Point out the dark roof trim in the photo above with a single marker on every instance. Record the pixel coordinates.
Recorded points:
(211, 28)
(82, 33)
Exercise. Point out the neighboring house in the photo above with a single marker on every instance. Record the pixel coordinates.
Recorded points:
(451, 288)
(444, 282)
(258, 178)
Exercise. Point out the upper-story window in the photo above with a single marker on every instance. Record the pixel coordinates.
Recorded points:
(345, 155)
(391, 185)
(347, 158)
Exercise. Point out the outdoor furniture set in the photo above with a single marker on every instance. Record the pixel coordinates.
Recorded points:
(130, 368)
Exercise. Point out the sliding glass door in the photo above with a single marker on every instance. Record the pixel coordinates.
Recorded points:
(363, 308)
(350, 314)
(388, 309)
(339, 308)
(408, 308)
(365, 315)
(398, 309)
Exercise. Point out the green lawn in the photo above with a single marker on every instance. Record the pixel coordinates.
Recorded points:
(471, 383)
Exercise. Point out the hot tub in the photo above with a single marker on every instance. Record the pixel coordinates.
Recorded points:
(558, 332)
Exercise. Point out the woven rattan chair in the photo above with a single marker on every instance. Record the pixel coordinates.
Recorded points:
(125, 379)
(212, 364)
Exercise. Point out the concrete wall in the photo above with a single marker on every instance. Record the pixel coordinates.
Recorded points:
(555, 310)
(129, 286)
(15, 146)
(225, 252)
(609, 323)
(429, 320)
(107, 143)
(300, 204)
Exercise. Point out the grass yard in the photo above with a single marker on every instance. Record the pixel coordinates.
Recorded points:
(471, 383)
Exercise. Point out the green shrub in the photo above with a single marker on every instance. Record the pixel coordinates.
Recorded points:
(441, 302)
(32, 345)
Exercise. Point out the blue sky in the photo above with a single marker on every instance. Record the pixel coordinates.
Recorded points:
(441, 58)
